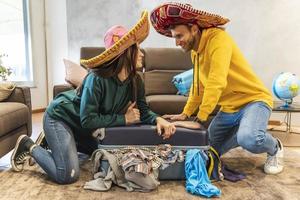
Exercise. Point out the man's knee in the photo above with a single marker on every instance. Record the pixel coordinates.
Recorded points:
(251, 139)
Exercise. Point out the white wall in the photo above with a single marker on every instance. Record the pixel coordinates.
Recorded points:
(49, 46)
(57, 43)
(39, 91)
(267, 31)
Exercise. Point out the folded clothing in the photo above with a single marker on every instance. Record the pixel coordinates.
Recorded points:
(232, 175)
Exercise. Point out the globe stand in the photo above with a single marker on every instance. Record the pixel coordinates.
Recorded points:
(287, 103)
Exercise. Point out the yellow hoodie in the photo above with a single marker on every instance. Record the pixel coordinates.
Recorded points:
(222, 76)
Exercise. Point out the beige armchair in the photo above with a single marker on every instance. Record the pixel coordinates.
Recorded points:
(15, 118)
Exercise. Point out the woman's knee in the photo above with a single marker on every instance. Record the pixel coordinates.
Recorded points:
(67, 176)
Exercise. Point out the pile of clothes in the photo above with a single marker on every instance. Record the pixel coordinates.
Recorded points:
(137, 169)
(133, 168)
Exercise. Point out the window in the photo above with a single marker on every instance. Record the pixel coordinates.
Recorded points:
(15, 40)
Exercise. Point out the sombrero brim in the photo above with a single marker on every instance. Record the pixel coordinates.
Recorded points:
(136, 35)
(173, 13)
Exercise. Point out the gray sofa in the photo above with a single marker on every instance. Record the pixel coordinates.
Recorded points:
(15, 118)
(159, 67)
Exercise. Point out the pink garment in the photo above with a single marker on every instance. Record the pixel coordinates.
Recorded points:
(114, 34)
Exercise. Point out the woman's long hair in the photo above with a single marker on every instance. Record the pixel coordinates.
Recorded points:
(113, 67)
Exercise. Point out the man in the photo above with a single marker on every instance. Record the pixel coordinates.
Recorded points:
(222, 76)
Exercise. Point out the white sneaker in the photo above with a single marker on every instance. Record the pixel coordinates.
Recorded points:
(274, 164)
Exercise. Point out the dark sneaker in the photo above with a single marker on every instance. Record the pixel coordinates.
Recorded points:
(21, 152)
(40, 141)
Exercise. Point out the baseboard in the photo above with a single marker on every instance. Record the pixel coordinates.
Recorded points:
(38, 110)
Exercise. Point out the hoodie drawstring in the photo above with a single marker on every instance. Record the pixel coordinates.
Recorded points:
(194, 60)
(196, 64)
(198, 75)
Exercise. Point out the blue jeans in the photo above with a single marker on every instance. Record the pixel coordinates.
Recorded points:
(61, 164)
(245, 128)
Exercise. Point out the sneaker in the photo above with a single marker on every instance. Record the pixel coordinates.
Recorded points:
(21, 152)
(40, 141)
(274, 164)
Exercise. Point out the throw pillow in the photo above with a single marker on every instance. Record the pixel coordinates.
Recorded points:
(74, 73)
(5, 90)
(183, 82)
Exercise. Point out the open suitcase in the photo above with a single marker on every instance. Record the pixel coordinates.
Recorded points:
(146, 136)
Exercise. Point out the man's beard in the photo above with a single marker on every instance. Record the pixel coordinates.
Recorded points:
(189, 45)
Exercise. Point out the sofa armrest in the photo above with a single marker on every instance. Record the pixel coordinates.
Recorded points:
(21, 94)
(61, 88)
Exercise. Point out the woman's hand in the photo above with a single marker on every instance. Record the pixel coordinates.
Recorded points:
(179, 117)
(132, 115)
(168, 129)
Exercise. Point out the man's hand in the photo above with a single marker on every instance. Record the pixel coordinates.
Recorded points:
(164, 127)
(132, 115)
(188, 124)
(179, 117)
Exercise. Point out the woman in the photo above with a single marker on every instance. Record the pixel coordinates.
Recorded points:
(112, 94)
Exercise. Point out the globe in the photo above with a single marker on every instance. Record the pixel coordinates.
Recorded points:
(286, 86)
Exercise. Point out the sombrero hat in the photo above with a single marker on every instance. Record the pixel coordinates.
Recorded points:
(173, 13)
(121, 41)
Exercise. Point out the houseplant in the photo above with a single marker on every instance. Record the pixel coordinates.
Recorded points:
(4, 71)
(6, 87)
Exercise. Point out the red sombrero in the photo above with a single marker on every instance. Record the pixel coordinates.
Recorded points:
(177, 13)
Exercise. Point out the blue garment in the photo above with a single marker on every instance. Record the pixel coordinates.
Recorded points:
(197, 181)
(245, 128)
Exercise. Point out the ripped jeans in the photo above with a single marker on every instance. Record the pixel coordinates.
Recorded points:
(61, 164)
(246, 128)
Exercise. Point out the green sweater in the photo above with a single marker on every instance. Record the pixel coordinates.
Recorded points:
(102, 104)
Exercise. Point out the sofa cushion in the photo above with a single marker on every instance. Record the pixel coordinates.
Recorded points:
(12, 115)
(166, 104)
(167, 59)
(160, 82)
(171, 104)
